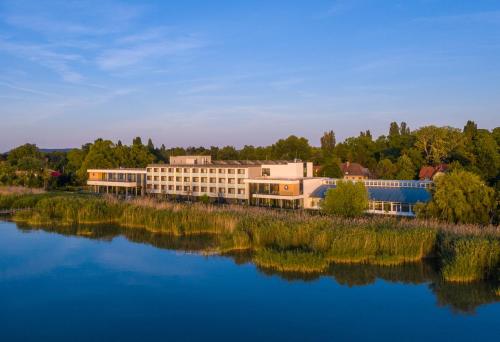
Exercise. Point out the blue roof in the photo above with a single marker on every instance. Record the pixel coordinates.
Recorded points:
(385, 194)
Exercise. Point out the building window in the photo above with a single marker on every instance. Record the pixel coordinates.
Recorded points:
(149, 178)
(222, 171)
(163, 187)
(170, 187)
(231, 171)
(241, 181)
(170, 178)
(196, 189)
(213, 180)
(231, 181)
(194, 170)
(178, 179)
(231, 190)
(162, 169)
(212, 170)
(163, 178)
(155, 169)
(213, 189)
(241, 191)
(178, 188)
(266, 171)
(171, 169)
(186, 179)
(222, 180)
(203, 170)
(203, 189)
(203, 179)
(222, 190)
(155, 186)
(186, 188)
(186, 170)
(241, 171)
(148, 169)
(178, 169)
(196, 179)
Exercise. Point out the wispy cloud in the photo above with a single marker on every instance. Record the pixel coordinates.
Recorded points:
(25, 89)
(202, 88)
(485, 17)
(133, 54)
(45, 56)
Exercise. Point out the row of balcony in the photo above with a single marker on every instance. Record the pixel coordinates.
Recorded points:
(230, 171)
(196, 180)
(193, 191)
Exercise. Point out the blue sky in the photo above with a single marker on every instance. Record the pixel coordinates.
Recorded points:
(242, 72)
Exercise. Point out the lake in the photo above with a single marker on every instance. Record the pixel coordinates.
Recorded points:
(110, 283)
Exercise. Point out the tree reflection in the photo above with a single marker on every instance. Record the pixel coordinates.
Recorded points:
(460, 298)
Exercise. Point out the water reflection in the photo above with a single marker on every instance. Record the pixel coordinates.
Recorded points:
(462, 298)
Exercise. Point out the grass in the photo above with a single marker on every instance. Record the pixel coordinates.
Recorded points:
(284, 241)
(18, 190)
(467, 259)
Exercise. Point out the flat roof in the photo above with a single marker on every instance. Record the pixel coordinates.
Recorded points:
(139, 170)
(230, 163)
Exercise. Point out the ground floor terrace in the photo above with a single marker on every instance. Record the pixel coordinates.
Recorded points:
(283, 203)
(127, 182)
(120, 189)
(391, 208)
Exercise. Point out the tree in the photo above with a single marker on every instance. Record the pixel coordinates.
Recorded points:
(486, 155)
(291, 148)
(227, 153)
(204, 199)
(328, 143)
(331, 168)
(347, 199)
(436, 143)
(393, 130)
(137, 141)
(404, 129)
(151, 146)
(406, 168)
(26, 150)
(460, 197)
(386, 169)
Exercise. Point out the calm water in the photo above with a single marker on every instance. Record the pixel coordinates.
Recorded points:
(112, 284)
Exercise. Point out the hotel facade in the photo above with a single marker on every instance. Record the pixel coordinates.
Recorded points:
(277, 183)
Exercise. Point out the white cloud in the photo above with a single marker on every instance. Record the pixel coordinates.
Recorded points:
(116, 58)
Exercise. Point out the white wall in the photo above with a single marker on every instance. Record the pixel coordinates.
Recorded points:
(289, 170)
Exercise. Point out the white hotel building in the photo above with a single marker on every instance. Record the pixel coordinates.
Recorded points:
(278, 183)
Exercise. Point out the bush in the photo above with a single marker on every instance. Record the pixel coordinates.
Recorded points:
(348, 199)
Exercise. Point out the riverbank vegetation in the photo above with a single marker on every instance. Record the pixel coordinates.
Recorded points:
(399, 154)
(283, 240)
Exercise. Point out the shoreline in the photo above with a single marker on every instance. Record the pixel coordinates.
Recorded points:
(294, 242)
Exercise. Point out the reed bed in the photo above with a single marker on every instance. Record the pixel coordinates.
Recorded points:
(467, 259)
(291, 261)
(283, 240)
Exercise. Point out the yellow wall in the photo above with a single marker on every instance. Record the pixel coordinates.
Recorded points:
(293, 190)
(96, 176)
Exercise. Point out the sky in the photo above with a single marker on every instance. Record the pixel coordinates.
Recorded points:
(191, 73)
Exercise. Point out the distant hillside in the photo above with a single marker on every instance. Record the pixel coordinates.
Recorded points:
(49, 150)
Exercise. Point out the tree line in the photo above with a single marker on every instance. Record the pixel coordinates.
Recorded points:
(398, 155)
(470, 193)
